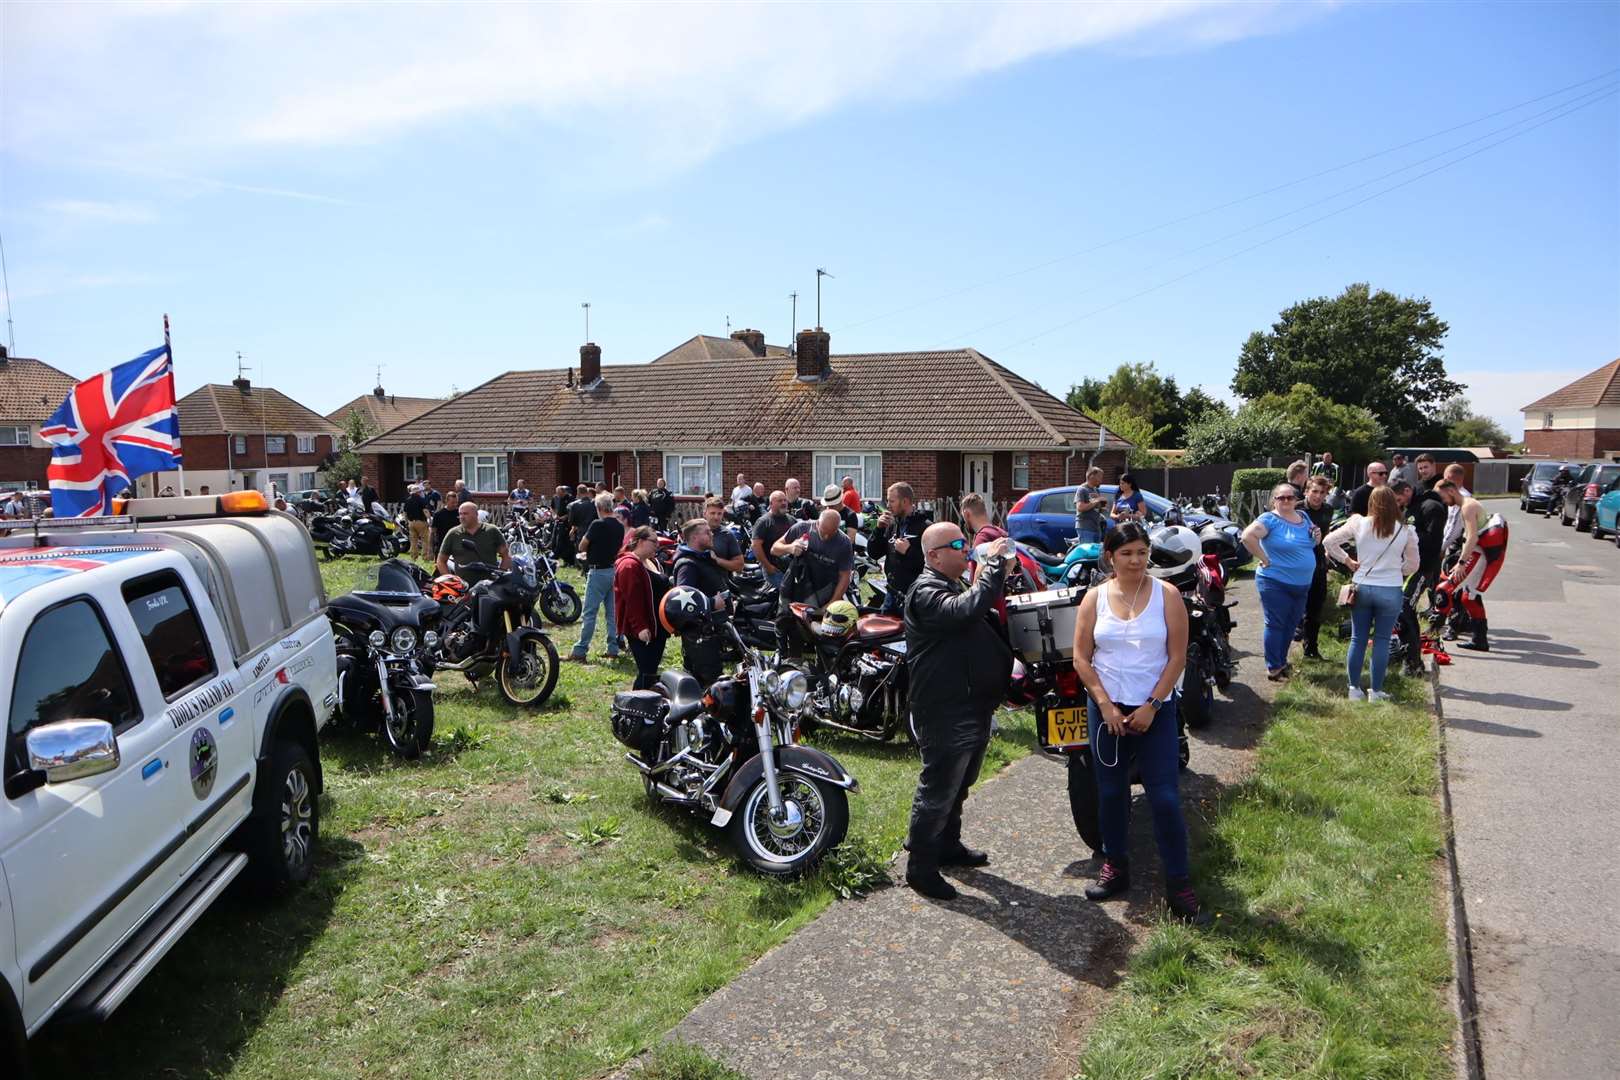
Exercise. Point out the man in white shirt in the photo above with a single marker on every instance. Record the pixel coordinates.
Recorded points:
(741, 491)
(1454, 519)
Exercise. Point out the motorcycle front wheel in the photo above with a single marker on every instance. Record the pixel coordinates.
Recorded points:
(814, 819)
(561, 604)
(387, 549)
(528, 678)
(411, 730)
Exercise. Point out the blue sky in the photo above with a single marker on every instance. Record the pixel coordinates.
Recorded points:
(436, 189)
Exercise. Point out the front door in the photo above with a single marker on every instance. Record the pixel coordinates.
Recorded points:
(977, 473)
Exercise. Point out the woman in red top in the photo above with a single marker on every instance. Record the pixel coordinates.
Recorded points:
(635, 602)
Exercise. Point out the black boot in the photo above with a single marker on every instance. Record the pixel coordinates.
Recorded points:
(1481, 642)
(1183, 902)
(959, 854)
(922, 874)
(1114, 879)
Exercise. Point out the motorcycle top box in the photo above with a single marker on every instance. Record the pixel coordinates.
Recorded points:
(1040, 626)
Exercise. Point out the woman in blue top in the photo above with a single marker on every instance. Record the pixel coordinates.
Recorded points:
(1284, 542)
(1128, 504)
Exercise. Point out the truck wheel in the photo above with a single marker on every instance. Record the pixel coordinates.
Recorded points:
(1083, 801)
(411, 730)
(281, 845)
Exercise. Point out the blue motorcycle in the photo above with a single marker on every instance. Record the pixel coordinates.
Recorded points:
(1077, 566)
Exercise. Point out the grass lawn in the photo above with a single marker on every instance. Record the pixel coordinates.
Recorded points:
(1329, 957)
(508, 906)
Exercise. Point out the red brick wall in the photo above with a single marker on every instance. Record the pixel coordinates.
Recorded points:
(773, 468)
(920, 469)
(27, 463)
(1573, 442)
(215, 452)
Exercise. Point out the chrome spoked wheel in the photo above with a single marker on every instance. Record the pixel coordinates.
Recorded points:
(814, 819)
(297, 822)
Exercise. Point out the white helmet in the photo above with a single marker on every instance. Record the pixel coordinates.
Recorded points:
(1175, 549)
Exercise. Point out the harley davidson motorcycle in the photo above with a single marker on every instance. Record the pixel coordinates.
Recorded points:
(383, 636)
(491, 626)
(857, 670)
(535, 530)
(730, 753)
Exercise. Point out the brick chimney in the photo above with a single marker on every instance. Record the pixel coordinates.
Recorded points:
(243, 385)
(814, 351)
(5, 357)
(754, 339)
(377, 392)
(590, 364)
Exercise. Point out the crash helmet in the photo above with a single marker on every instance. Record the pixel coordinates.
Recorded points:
(837, 619)
(1173, 552)
(447, 587)
(1022, 688)
(682, 608)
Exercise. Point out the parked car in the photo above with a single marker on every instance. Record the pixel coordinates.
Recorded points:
(1582, 494)
(166, 674)
(1045, 519)
(1606, 513)
(1537, 485)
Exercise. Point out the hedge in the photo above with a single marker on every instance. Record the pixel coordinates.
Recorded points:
(1257, 479)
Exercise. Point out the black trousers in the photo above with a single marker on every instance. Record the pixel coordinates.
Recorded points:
(1312, 626)
(701, 654)
(1411, 633)
(648, 657)
(936, 810)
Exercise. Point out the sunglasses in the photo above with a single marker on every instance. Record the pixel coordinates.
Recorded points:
(1284, 498)
(955, 545)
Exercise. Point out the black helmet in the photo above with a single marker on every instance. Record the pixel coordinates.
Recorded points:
(682, 608)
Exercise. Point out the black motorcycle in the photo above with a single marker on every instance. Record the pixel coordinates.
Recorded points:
(383, 636)
(858, 675)
(537, 531)
(753, 606)
(350, 533)
(491, 626)
(729, 753)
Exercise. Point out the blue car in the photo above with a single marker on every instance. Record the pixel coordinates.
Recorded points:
(1045, 519)
(1606, 515)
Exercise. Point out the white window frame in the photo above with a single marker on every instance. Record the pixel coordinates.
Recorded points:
(868, 471)
(306, 444)
(1022, 485)
(473, 464)
(592, 467)
(21, 435)
(275, 444)
(307, 480)
(239, 444)
(413, 467)
(678, 462)
(1546, 421)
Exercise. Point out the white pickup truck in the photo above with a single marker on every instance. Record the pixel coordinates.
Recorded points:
(165, 674)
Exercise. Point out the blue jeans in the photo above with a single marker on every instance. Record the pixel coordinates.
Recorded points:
(1088, 535)
(598, 593)
(1283, 606)
(1377, 607)
(1156, 755)
(774, 580)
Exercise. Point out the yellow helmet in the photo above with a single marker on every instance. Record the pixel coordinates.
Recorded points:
(838, 619)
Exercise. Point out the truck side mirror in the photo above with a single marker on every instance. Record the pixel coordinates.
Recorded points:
(72, 749)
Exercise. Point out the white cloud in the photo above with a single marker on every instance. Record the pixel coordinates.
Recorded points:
(1502, 395)
(675, 81)
(117, 213)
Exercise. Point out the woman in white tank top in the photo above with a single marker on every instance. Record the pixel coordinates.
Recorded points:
(1130, 646)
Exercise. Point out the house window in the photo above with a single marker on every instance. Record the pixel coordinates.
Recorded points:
(239, 444)
(694, 473)
(484, 472)
(306, 481)
(590, 468)
(13, 436)
(414, 469)
(306, 444)
(1546, 421)
(866, 469)
(1020, 477)
(275, 444)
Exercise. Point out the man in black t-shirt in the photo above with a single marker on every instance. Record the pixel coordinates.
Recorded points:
(442, 521)
(601, 543)
(826, 554)
(416, 521)
(767, 531)
(798, 507)
(832, 498)
(661, 501)
(1377, 476)
(895, 542)
(581, 512)
(728, 547)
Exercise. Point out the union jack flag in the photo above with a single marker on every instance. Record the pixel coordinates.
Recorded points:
(112, 428)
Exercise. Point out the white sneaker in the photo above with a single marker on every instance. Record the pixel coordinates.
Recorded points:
(1356, 694)
(1377, 695)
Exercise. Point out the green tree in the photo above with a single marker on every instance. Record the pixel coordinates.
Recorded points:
(1244, 435)
(1350, 431)
(1465, 427)
(1373, 349)
(1135, 429)
(357, 428)
(1136, 390)
(1198, 405)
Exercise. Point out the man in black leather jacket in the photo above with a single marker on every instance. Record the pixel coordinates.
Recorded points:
(701, 648)
(895, 542)
(959, 669)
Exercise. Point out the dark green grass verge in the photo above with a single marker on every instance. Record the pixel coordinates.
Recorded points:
(1329, 957)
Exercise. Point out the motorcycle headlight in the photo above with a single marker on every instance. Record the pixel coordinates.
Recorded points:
(430, 639)
(403, 640)
(792, 689)
(377, 639)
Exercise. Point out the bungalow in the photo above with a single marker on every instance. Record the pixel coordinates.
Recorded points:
(1581, 420)
(242, 436)
(948, 421)
(30, 391)
(382, 410)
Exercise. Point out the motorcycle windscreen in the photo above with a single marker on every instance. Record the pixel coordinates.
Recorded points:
(391, 576)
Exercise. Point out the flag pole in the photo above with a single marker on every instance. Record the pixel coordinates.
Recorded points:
(170, 349)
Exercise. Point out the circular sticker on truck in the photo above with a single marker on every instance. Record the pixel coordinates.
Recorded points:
(204, 762)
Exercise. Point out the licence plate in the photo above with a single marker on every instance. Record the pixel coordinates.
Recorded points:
(1065, 727)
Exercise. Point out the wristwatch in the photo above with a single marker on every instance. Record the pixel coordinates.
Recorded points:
(1156, 703)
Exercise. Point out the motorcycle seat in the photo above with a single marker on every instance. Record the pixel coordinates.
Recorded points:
(680, 688)
(1045, 558)
(879, 627)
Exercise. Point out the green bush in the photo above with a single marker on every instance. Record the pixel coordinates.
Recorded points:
(1257, 479)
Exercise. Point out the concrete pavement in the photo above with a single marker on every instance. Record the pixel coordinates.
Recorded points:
(1533, 739)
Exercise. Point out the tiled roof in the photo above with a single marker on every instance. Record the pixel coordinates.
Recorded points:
(30, 390)
(385, 410)
(708, 347)
(212, 409)
(1600, 388)
(957, 399)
